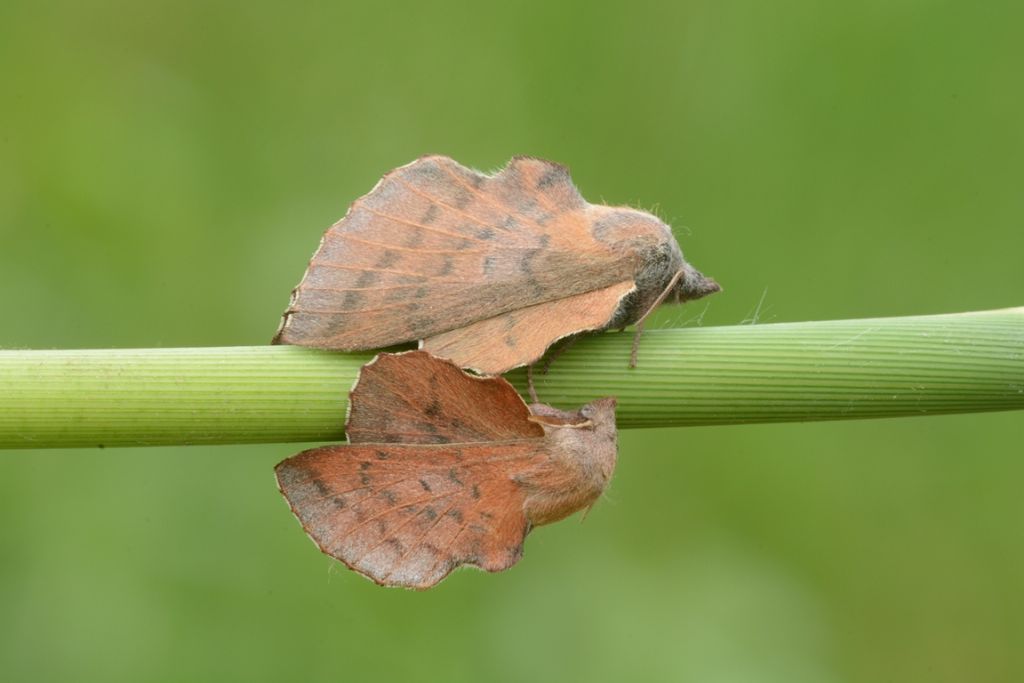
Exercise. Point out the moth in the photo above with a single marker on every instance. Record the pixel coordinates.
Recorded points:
(484, 270)
(445, 469)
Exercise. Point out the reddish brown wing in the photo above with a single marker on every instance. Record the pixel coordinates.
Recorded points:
(414, 397)
(407, 515)
(498, 344)
(436, 246)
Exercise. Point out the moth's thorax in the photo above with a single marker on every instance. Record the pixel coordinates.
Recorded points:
(583, 454)
(657, 256)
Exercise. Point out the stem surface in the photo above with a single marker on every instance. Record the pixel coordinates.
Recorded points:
(844, 369)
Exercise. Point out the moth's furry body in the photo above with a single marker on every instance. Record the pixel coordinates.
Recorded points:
(583, 448)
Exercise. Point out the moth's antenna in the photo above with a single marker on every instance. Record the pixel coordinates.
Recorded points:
(635, 352)
(661, 297)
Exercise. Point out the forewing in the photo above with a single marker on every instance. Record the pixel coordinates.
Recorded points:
(507, 341)
(414, 397)
(407, 515)
(436, 246)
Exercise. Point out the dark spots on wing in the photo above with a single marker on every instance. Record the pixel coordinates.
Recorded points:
(367, 278)
(364, 466)
(476, 180)
(420, 293)
(382, 527)
(440, 438)
(396, 544)
(473, 555)
(382, 455)
(339, 502)
(603, 228)
(455, 514)
(478, 529)
(475, 492)
(364, 478)
(388, 259)
(413, 306)
(352, 300)
(429, 170)
(462, 198)
(454, 477)
(321, 486)
(544, 218)
(416, 238)
(489, 262)
(526, 262)
(534, 286)
(431, 214)
(510, 222)
(544, 239)
(456, 423)
(485, 234)
(428, 427)
(389, 496)
(486, 515)
(420, 325)
(526, 205)
(433, 408)
(425, 485)
(549, 178)
(390, 438)
(510, 341)
(430, 512)
(447, 266)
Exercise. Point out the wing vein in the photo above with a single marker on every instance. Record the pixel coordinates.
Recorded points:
(488, 198)
(413, 224)
(418, 250)
(419, 539)
(471, 217)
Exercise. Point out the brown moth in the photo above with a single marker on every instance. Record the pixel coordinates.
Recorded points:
(444, 469)
(485, 270)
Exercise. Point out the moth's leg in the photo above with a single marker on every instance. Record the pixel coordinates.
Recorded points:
(559, 351)
(635, 353)
(529, 384)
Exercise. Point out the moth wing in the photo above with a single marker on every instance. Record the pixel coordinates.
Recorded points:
(407, 515)
(414, 397)
(436, 246)
(516, 338)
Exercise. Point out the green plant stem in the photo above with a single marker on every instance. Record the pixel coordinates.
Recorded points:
(846, 369)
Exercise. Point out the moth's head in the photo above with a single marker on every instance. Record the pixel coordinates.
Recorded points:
(596, 415)
(600, 417)
(601, 411)
(693, 284)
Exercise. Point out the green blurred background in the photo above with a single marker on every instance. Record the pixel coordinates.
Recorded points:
(166, 169)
